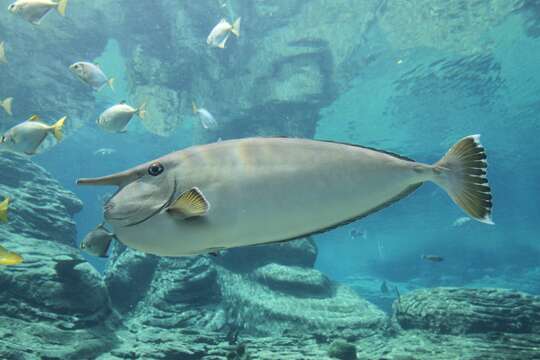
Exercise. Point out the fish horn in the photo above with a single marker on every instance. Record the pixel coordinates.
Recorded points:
(119, 179)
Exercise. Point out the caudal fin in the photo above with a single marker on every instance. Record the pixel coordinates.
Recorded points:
(58, 128)
(194, 107)
(61, 7)
(236, 27)
(141, 111)
(6, 105)
(462, 172)
(4, 207)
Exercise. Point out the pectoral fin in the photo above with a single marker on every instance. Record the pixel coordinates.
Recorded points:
(190, 204)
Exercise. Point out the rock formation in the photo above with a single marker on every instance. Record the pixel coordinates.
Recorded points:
(54, 304)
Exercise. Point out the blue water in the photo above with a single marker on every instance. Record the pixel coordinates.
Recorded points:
(414, 100)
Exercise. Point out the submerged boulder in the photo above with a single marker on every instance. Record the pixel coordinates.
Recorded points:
(467, 311)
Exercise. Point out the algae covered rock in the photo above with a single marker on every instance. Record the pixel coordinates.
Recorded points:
(41, 208)
(54, 304)
(293, 279)
(340, 349)
(466, 311)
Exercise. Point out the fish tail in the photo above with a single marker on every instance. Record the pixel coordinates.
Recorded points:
(462, 173)
(141, 111)
(61, 7)
(194, 107)
(4, 207)
(110, 82)
(3, 59)
(6, 105)
(236, 27)
(57, 128)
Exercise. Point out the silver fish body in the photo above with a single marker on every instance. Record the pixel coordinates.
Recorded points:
(116, 118)
(97, 241)
(90, 74)
(220, 33)
(259, 190)
(26, 137)
(207, 119)
(34, 11)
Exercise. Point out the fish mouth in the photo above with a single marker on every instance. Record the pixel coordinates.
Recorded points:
(108, 208)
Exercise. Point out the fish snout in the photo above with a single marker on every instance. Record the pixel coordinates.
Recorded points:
(12, 8)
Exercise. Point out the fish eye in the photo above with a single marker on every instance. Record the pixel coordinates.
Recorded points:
(10, 7)
(155, 169)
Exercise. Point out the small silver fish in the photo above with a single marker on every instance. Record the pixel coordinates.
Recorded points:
(104, 151)
(26, 137)
(98, 241)
(91, 74)
(3, 59)
(116, 118)
(207, 120)
(6, 105)
(220, 33)
(35, 10)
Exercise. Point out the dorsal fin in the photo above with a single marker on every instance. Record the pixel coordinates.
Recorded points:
(34, 118)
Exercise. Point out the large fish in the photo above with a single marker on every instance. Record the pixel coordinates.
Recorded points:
(268, 190)
(35, 10)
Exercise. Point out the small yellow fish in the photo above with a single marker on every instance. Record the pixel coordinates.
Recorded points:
(4, 207)
(9, 258)
(6, 105)
(3, 59)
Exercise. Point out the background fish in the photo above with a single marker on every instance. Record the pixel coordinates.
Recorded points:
(220, 33)
(92, 75)
(3, 59)
(35, 10)
(205, 117)
(432, 258)
(98, 241)
(26, 137)
(6, 105)
(264, 190)
(9, 258)
(116, 118)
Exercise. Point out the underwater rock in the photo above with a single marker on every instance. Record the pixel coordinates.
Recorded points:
(343, 350)
(288, 60)
(41, 208)
(426, 24)
(302, 252)
(54, 304)
(128, 278)
(293, 279)
(261, 298)
(467, 311)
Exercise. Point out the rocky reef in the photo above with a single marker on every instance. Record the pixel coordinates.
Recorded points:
(52, 303)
